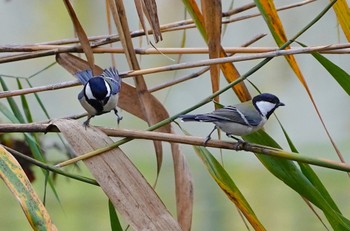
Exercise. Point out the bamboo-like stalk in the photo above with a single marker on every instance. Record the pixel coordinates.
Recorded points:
(50, 168)
(108, 39)
(179, 66)
(328, 49)
(183, 139)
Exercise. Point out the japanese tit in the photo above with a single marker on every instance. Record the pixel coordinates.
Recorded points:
(100, 93)
(241, 119)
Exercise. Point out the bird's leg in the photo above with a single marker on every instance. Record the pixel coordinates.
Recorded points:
(209, 137)
(240, 143)
(87, 122)
(119, 118)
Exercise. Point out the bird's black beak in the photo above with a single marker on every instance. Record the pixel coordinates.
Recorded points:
(281, 104)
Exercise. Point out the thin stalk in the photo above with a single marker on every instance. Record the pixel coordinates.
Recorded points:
(172, 138)
(50, 168)
(108, 39)
(329, 49)
(179, 66)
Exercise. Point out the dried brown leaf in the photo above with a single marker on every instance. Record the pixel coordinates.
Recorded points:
(154, 111)
(184, 188)
(124, 185)
(151, 12)
(150, 106)
(139, 10)
(129, 101)
(84, 41)
(229, 70)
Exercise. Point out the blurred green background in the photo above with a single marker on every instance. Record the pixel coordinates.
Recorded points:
(85, 207)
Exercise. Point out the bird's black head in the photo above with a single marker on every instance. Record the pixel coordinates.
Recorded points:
(97, 88)
(266, 103)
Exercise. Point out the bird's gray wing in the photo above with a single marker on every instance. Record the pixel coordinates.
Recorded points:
(233, 114)
(84, 76)
(81, 95)
(252, 116)
(111, 75)
(225, 114)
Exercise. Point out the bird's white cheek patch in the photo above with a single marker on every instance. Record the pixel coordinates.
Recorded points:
(265, 107)
(88, 92)
(108, 89)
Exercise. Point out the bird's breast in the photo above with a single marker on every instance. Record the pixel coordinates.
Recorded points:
(239, 129)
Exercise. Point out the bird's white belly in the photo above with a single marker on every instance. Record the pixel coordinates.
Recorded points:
(238, 129)
(90, 109)
(111, 104)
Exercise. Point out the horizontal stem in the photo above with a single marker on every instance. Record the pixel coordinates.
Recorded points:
(179, 66)
(190, 140)
(50, 168)
(331, 49)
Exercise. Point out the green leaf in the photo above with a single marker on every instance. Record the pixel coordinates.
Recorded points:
(12, 103)
(291, 175)
(16, 117)
(228, 186)
(311, 175)
(113, 217)
(341, 76)
(25, 105)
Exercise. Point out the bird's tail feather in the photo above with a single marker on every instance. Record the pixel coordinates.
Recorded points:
(112, 73)
(84, 76)
(186, 118)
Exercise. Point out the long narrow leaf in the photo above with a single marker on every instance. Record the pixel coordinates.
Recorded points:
(84, 41)
(341, 76)
(229, 70)
(113, 217)
(291, 175)
(228, 186)
(269, 12)
(33, 143)
(16, 180)
(342, 11)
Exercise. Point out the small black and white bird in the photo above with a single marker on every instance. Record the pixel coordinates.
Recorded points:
(100, 93)
(241, 119)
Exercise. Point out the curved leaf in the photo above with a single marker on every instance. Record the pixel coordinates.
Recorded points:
(16, 180)
(291, 175)
(341, 76)
(228, 186)
(124, 185)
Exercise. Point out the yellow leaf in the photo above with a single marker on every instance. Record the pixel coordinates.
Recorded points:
(16, 180)
(342, 11)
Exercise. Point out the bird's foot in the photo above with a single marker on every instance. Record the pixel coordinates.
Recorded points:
(206, 140)
(119, 118)
(240, 143)
(87, 122)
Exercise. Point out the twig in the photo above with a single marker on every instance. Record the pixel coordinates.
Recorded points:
(103, 40)
(179, 66)
(50, 168)
(190, 140)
